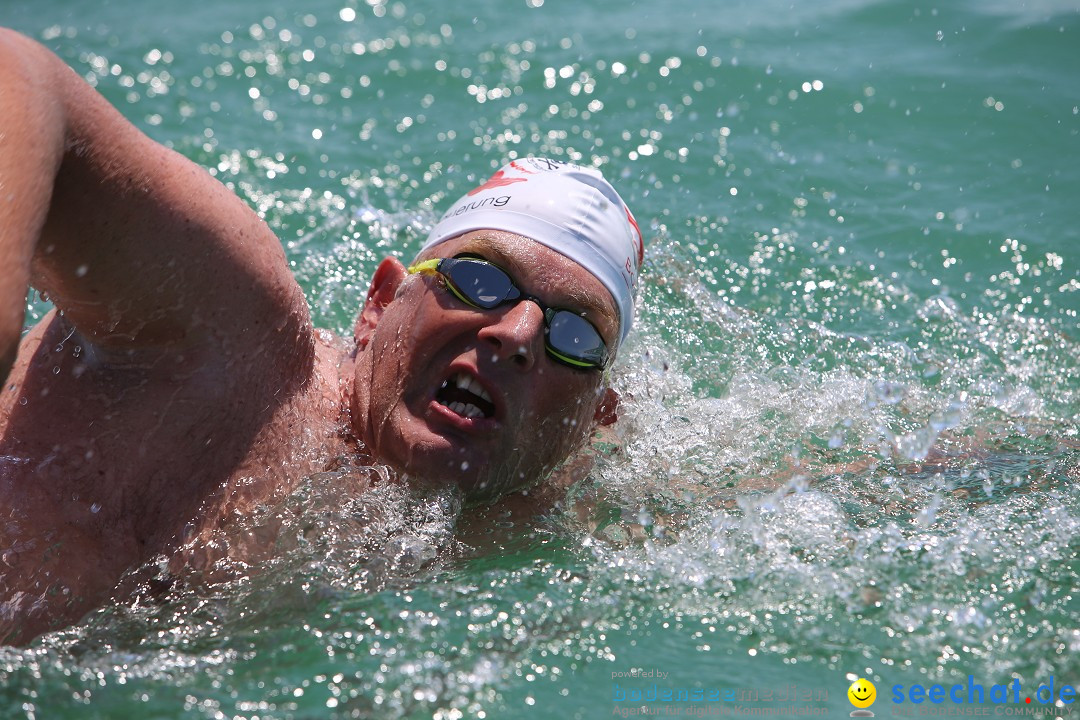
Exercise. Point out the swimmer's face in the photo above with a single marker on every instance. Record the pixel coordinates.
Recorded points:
(455, 394)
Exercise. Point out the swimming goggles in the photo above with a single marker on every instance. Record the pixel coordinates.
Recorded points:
(568, 337)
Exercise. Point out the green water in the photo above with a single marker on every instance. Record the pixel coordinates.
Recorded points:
(849, 437)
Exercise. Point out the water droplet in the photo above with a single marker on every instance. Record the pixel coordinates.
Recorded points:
(95, 508)
(928, 514)
(889, 393)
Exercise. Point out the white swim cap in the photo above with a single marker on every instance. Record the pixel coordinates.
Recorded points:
(569, 208)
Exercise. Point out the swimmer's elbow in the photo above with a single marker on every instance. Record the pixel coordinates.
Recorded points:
(20, 55)
(33, 90)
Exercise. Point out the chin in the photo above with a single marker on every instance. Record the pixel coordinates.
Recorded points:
(482, 471)
(490, 484)
(479, 480)
(486, 490)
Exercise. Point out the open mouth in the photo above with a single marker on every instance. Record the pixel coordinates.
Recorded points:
(463, 394)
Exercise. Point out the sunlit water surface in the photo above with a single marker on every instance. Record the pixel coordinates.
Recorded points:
(848, 436)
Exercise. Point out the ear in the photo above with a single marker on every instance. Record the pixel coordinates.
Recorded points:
(607, 410)
(384, 285)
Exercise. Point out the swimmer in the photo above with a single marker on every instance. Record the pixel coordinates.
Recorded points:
(179, 379)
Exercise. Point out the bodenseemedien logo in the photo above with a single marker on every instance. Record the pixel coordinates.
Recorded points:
(862, 695)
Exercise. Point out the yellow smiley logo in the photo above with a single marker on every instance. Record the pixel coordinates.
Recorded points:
(862, 693)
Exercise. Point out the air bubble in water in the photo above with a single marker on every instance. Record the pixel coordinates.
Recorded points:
(889, 393)
(928, 515)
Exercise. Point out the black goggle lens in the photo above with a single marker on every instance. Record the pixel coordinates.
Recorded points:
(575, 337)
(479, 283)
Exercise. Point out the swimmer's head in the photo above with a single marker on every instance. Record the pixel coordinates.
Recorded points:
(450, 393)
(488, 400)
(569, 208)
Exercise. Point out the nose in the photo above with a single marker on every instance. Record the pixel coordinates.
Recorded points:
(515, 334)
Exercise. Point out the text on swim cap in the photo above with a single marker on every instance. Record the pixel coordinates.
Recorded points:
(477, 204)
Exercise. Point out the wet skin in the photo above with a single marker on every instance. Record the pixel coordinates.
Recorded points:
(150, 448)
(184, 384)
(542, 409)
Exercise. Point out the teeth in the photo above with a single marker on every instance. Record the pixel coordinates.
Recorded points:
(465, 409)
(469, 383)
(466, 383)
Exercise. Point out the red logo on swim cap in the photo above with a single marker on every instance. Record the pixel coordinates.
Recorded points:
(639, 241)
(497, 180)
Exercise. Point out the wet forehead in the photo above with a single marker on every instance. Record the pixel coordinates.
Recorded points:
(541, 271)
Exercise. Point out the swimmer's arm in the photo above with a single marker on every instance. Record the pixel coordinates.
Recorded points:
(31, 145)
(140, 247)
